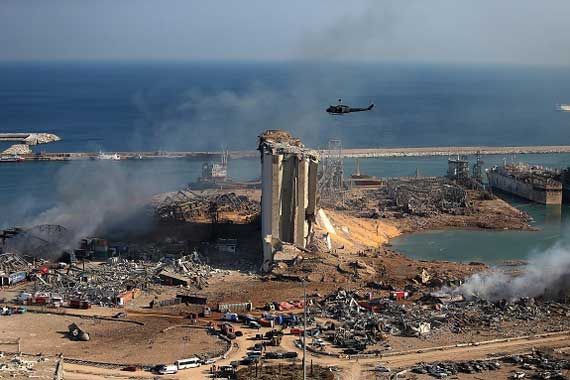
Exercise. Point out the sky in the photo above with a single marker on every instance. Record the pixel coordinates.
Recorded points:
(440, 31)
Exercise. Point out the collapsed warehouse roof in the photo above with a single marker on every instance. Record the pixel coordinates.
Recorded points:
(104, 284)
(11, 262)
(206, 207)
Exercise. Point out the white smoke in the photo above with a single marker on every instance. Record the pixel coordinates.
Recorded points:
(94, 196)
(547, 274)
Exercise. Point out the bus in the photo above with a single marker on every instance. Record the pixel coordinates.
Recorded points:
(188, 363)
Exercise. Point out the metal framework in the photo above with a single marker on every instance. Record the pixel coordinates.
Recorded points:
(331, 182)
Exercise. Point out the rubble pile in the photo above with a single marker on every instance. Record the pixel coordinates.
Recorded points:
(359, 326)
(428, 196)
(15, 366)
(100, 285)
(466, 315)
(11, 262)
(191, 267)
(362, 322)
(192, 206)
(423, 197)
(105, 283)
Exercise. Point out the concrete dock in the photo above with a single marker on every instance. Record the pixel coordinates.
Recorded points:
(347, 153)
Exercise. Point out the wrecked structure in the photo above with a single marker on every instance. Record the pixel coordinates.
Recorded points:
(428, 196)
(534, 183)
(359, 324)
(457, 168)
(205, 207)
(13, 269)
(289, 191)
(118, 281)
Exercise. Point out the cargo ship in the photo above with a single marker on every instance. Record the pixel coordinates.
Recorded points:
(535, 183)
(563, 107)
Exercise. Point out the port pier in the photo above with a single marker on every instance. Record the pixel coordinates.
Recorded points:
(346, 153)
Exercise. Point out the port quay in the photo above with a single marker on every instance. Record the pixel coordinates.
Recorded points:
(347, 153)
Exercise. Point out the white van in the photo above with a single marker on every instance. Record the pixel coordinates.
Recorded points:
(167, 369)
(188, 363)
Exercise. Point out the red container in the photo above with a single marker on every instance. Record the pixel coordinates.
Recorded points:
(297, 331)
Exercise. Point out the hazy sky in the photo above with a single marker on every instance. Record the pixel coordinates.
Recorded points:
(476, 31)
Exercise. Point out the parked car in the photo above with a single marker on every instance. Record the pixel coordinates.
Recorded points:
(254, 325)
(381, 368)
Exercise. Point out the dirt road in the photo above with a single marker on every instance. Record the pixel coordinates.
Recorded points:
(351, 369)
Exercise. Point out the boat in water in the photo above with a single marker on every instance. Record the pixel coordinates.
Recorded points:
(11, 158)
(107, 156)
(563, 107)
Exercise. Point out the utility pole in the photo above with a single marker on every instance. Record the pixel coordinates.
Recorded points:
(304, 330)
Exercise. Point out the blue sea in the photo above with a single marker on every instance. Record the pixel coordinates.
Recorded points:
(131, 106)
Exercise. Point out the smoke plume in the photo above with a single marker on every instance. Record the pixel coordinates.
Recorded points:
(94, 197)
(545, 275)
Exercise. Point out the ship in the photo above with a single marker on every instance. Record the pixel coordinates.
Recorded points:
(106, 156)
(535, 183)
(563, 107)
(215, 176)
(11, 158)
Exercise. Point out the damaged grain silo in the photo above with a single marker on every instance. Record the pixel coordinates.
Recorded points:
(289, 191)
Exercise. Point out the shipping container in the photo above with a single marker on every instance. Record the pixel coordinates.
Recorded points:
(17, 277)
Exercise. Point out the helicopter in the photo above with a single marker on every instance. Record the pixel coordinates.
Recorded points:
(341, 109)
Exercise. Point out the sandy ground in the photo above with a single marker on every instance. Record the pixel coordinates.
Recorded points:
(115, 342)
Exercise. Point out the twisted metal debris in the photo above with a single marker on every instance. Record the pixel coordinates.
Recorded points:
(11, 262)
(191, 206)
(102, 284)
(363, 322)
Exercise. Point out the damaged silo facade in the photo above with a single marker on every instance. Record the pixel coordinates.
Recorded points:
(289, 191)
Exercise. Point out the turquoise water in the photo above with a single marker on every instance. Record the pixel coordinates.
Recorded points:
(490, 246)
